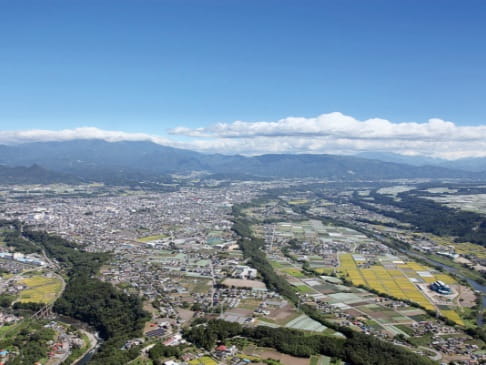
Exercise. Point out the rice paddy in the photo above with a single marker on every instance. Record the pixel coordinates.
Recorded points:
(390, 281)
(453, 316)
(151, 238)
(397, 280)
(40, 289)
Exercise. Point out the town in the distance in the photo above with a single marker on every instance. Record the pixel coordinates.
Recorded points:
(211, 269)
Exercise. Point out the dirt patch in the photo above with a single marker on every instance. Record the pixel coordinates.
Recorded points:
(353, 312)
(241, 283)
(185, 314)
(147, 306)
(282, 315)
(284, 359)
(240, 312)
(466, 297)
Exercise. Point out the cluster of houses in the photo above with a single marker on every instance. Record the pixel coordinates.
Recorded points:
(20, 257)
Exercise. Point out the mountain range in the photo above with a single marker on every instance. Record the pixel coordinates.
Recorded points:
(99, 160)
(467, 164)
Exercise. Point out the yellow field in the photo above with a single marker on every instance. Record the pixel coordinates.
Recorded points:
(445, 279)
(205, 360)
(323, 270)
(151, 238)
(392, 282)
(463, 248)
(396, 282)
(298, 202)
(348, 267)
(453, 316)
(40, 289)
(470, 249)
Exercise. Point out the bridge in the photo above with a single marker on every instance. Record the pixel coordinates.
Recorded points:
(44, 313)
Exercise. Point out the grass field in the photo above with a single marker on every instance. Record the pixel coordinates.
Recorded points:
(323, 270)
(470, 249)
(141, 361)
(40, 289)
(304, 289)
(292, 271)
(320, 360)
(205, 360)
(151, 238)
(277, 264)
(298, 202)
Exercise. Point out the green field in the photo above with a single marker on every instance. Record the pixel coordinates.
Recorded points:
(305, 289)
(320, 360)
(40, 289)
(151, 238)
(292, 271)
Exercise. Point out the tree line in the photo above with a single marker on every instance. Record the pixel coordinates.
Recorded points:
(356, 348)
(116, 316)
(429, 216)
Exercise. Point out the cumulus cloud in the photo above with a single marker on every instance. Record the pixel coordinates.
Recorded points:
(42, 135)
(342, 134)
(336, 125)
(333, 133)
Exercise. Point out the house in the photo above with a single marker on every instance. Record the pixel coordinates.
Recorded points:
(244, 272)
(222, 351)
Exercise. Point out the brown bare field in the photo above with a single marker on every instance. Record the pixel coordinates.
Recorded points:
(241, 283)
(284, 359)
(466, 297)
(283, 315)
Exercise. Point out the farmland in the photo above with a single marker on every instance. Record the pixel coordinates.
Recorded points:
(396, 278)
(151, 238)
(40, 289)
(473, 203)
(205, 360)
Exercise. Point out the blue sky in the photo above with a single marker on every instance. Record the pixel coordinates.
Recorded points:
(150, 66)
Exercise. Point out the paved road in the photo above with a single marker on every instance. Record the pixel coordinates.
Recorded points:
(93, 343)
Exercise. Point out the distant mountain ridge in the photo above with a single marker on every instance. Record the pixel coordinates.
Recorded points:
(477, 164)
(98, 160)
(33, 175)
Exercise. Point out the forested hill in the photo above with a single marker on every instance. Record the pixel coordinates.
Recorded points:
(34, 174)
(100, 160)
(116, 316)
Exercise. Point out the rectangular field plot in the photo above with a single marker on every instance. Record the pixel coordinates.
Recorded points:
(453, 316)
(40, 289)
(305, 323)
(293, 272)
(395, 282)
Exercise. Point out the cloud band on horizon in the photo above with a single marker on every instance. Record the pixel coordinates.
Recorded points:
(333, 133)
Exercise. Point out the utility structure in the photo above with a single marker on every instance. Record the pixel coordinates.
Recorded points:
(44, 313)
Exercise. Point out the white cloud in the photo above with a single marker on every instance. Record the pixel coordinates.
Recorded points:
(337, 125)
(42, 135)
(339, 133)
(333, 133)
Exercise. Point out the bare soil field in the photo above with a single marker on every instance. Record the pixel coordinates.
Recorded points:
(284, 359)
(241, 283)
